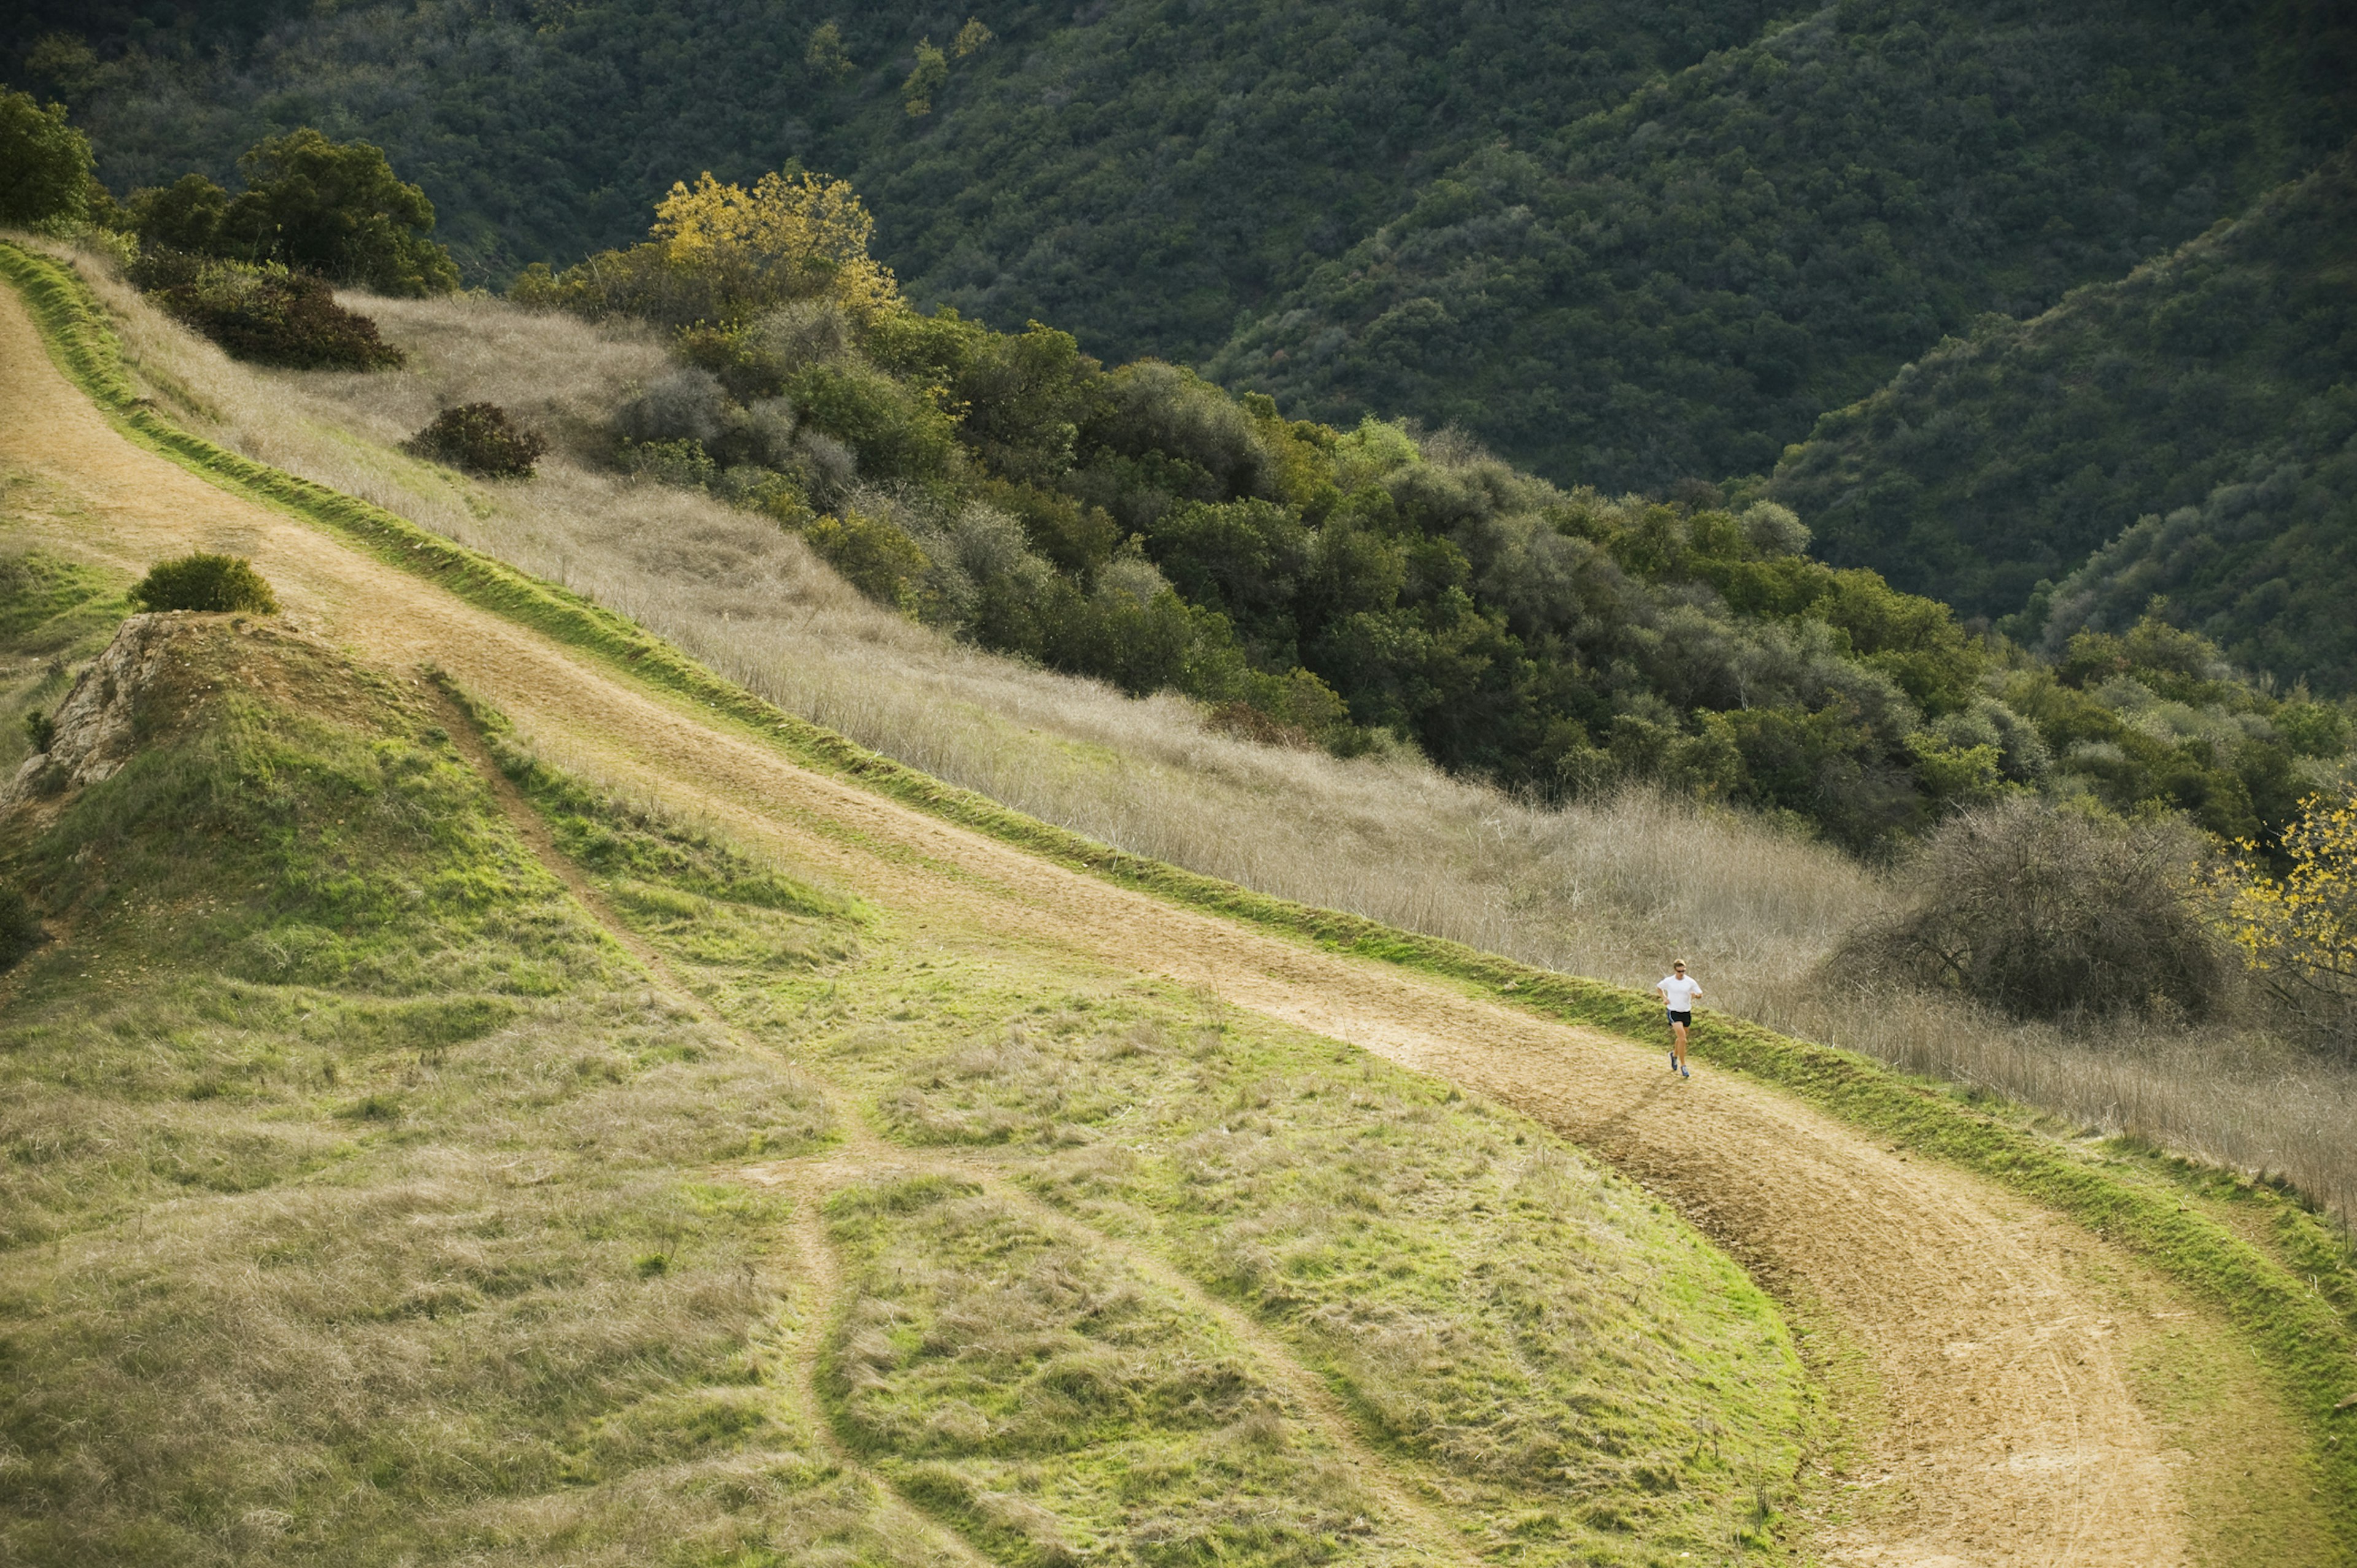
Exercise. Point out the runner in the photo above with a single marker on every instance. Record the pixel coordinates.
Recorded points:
(1678, 993)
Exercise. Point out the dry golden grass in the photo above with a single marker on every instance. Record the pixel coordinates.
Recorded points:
(1611, 888)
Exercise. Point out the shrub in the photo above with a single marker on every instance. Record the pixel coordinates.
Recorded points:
(682, 462)
(1151, 407)
(480, 438)
(40, 730)
(219, 583)
(873, 555)
(183, 216)
(18, 928)
(686, 405)
(264, 313)
(2297, 932)
(2049, 914)
(720, 254)
(337, 209)
(45, 163)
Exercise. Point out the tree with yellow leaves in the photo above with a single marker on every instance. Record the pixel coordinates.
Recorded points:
(792, 236)
(932, 73)
(2298, 931)
(721, 254)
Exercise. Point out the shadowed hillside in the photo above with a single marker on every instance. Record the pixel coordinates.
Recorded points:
(2189, 427)
(1622, 244)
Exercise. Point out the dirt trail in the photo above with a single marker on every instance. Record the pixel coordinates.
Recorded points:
(2011, 1435)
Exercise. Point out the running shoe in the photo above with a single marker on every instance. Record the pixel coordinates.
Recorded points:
(1683, 1073)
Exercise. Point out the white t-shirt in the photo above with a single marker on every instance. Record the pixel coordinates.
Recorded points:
(1681, 989)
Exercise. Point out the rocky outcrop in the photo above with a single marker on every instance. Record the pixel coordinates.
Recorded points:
(94, 736)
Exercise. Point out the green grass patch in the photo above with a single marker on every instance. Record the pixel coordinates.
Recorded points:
(2307, 1343)
(1585, 1379)
(333, 1138)
(1582, 1375)
(1019, 1380)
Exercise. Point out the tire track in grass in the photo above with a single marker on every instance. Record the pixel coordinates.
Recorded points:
(864, 1155)
(818, 1277)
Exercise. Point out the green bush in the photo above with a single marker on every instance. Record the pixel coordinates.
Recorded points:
(18, 928)
(332, 209)
(263, 313)
(183, 216)
(480, 438)
(40, 730)
(684, 463)
(2050, 914)
(219, 583)
(45, 163)
(873, 556)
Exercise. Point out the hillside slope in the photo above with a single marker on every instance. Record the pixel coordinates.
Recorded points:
(357, 1186)
(2192, 423)
(1911, 1258)
(1676, 287)
(1624, 244)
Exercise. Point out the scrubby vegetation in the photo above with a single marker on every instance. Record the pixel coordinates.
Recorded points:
(216, 584)
(1143, 526)
(480, 438)
(2050, 914)
(2190, 426)
(310, 205)
(264, 313)
(252, 272)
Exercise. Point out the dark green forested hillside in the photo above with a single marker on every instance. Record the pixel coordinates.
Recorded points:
(1609, 250)
(2212, 395)
(1680, 285)
(1133, 169)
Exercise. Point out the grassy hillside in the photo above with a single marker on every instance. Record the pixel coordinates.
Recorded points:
(358, 1190)
(1602, 886)
(1025, 1087)
(1624, 244)
(371, 1203)
(2189, 427)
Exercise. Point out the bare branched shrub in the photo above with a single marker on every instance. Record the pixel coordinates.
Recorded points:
(2048, 913)
(683, 406)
